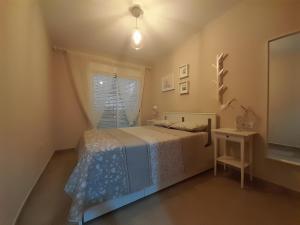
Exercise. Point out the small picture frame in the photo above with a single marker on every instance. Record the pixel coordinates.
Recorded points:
(184, 71)
(167, 83)
(184, 87)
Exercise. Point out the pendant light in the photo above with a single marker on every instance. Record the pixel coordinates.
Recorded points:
(136, 37)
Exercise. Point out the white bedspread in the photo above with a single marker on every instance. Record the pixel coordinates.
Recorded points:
(165, 153)
(105, 172)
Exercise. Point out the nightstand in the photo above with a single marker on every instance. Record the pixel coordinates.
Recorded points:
(241, 137)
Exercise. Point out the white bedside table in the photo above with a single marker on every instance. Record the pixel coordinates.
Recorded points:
(241, 137)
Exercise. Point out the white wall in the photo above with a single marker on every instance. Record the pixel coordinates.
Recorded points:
(70, 122)
(26, 103)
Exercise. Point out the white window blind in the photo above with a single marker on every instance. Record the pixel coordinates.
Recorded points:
(115, 100)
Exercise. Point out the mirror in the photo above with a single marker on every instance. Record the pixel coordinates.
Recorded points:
(284, 93)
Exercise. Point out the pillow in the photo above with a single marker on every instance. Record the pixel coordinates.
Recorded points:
(162, 123)
(189, 126)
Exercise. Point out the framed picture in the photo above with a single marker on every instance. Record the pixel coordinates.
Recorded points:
(184, 87)
(184, 71)
(167, 83)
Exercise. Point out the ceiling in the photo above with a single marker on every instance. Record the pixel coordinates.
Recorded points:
(105, 26)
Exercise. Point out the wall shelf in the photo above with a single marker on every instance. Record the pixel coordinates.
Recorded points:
(232, 161)
(220, 73)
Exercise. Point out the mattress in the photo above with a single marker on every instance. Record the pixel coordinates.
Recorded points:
(116, 162)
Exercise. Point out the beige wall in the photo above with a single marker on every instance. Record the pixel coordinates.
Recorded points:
(26, 112)
(202, 92)
(69, 122)
(242, 32)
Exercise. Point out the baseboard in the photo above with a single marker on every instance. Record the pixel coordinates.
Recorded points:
(65, 149)
(235, 173)
(30, 190)
(278, 186)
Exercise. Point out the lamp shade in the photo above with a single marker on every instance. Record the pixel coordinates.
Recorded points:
(137, 39)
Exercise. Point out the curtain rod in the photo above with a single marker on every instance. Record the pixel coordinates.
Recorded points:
(64, 50)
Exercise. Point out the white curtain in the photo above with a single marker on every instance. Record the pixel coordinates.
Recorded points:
(84, 69)
(78, 66)
(129, 93)
(102, 93)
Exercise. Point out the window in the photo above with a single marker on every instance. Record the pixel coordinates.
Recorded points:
(115, 101)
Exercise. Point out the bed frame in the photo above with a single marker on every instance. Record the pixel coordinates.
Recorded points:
(206, 163)
(202, 118)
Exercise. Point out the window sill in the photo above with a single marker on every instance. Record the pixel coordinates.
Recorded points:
(289, 157)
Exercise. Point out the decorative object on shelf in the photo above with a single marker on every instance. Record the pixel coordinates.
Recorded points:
(184, 71)
(246, 121)
(229, 103)
(137, 37)
(155, 111)
(184, 87)
(167, 83)
(221, 88)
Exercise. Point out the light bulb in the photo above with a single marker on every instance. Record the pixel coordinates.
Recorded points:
(137, 39)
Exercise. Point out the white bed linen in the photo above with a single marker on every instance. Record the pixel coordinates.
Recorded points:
(168, 163)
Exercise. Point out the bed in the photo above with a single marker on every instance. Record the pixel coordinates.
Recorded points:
(119, 166)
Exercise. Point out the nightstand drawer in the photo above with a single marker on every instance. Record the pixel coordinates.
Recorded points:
(228, 137)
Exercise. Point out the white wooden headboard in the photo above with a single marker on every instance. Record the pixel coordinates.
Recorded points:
(186, 116)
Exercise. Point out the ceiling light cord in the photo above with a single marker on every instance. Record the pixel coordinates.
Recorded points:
(136, 23)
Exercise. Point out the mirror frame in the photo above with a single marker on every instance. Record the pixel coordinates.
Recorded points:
(268, 82)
